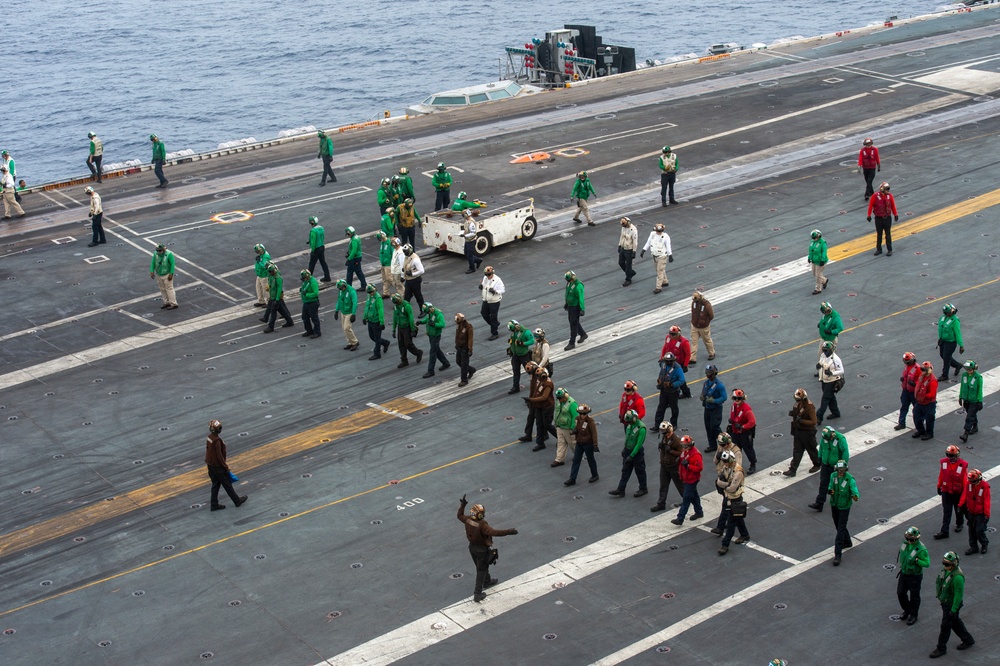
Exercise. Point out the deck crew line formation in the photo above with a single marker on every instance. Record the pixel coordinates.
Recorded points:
(552, 410)
(691, 364)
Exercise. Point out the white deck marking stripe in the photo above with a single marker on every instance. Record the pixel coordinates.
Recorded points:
(58, 203)
(391, 412)
(614, 549)
(132, 315)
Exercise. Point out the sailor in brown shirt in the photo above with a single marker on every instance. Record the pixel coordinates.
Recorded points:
(531, 368)
(585, 434)
(803, 415)
(670, 452)
(480, 536)
(218, 470)
(702, 315)
(543, 403)
(463, 348)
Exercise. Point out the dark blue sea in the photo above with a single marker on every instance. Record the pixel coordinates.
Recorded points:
(202, 72)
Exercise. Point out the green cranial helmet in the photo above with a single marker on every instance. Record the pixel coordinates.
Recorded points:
(161, 248)
(725, 439)
(970, 365)
(320, 133)
(666, 149)
(371, 289)
(153, 137)
(341, 284)
(313, 220)
(841, 465)
(350, 231)
(912, 534)
(397, 298)
(513, 325)
(825, 307)
(385, 182)
(827, 345)
(816, 234)
(427, 307)
(949, 309)
(950, 558)
(461, 195)
(90, 135)
(631, 415)
(570, 276)
(829, 434)
(441, 166)
(258, 248)
(560, 392)
(305, 275)
(380, 236)
(272, 268)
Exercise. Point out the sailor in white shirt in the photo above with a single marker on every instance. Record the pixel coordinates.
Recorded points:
(396, 266)
(96, 217)
(628, 243)
(471, 229)
(659, 244)
(831, 371)
(492, 293)
(413, 270)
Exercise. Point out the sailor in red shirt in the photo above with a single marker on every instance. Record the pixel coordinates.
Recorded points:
(884, 206)
(631, 399)
(743, 427)
(951, 481)
(976, 502)
(679, 346)
(925, 405)
(908, 384)
(868, 163)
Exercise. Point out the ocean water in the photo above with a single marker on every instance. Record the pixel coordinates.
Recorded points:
(201, 72)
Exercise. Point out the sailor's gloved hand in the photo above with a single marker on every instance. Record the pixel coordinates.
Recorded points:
(582, 313)
(514, 531)
(822, 263)
(869, 218)
(353, 319)
(939, 491)
(565, 307)
(670, 258)
(336, 314)
(961, 350)
(897, 218)
(685, 463)
(394, 335)
(463, 501)
(878, 168)
(828, 373)
(364, 320)
(492, 291)
(960, 402)
(818, 366)
(642, 253)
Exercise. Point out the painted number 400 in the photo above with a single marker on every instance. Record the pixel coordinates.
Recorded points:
(405, 505)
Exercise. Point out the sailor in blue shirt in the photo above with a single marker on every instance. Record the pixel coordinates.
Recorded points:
(669, 381)
(713, 396)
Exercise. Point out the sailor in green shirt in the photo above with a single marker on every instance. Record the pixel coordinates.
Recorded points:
(582, 189)
(326, 154)
(564, 419)
(950, 591)
(633, 455)
(384, 196)
(461, 203)
(843, 491)
(830, 325)
(913, 559)
(404, 329)
(817, 259)
(276, 303)
(317, 248)
(575, 308)
(388, 222)
(433, 319)
(374, 318)
(949, 337)
(669, 165)
(970, 396)
(354, 258)
(159, 157)
(832, 447)
(385, 252)
(406, 184)
(442, 186)
(309, 293)
(519, 349)
(162, 269)
(395, 191)
(347, 306)
(95, 156)
(260, 270)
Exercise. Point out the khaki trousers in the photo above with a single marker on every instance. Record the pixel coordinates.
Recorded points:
(262, 290)
(388, 282)
(345, 320)
(818, 274)
(565, 440)
(706, 334)
(661, 271)
(10, 204)
(583, 208)
(166, 289)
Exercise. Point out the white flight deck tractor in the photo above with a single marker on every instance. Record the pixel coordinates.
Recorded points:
(446, 229)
